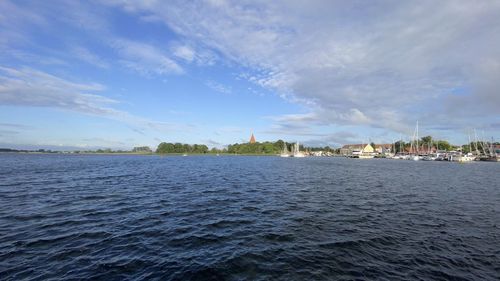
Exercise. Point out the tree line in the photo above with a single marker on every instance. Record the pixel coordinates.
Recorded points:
(167, 147)
(276, 147)
(424, 142)
(266, 147)
(270, 148)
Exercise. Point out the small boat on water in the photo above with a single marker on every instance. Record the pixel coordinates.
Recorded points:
(366, 156)
(494, 158)
(491, 153)
(362, 152)
(400, 157)
(462, 158)
(429, 158)
(441, 158)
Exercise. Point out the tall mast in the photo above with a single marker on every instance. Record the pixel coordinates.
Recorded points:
(401, 144)
(412, 143)
(477, 146)
(470, 145)
(492, 151)
(417, 137)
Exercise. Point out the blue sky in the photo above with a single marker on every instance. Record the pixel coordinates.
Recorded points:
(118, 74)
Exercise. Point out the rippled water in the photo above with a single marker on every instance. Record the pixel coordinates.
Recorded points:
(247, 218)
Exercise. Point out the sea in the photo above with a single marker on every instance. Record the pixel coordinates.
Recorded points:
(132, 217)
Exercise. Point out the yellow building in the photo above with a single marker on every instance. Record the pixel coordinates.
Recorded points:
(368, 149)
(356, 149)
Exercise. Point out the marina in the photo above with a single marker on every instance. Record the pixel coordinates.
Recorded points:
(421, 149)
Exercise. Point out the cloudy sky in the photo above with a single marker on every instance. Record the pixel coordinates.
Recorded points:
(124, 73)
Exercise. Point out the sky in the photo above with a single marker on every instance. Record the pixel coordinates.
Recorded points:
(118, 74)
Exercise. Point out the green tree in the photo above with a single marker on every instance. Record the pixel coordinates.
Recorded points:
(203, 148)
(279, 145)
(443, 145)
(165, 148)
(178, 147)
(400, 146)
(426, 140)
(269, 148)
(142, 149)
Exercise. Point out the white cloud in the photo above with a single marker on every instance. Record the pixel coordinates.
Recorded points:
(184, 52)
(12, 21)
(29, 87)
(85, 55)
(371, 64)
(295, 125)
(189, 53)
(144, 58)
(34, 88)
(335, 140)
(362, 63)
(218, 87)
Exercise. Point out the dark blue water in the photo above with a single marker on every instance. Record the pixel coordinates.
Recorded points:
(247, 218)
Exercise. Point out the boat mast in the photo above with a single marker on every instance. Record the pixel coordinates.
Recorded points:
(483, 146)
(412, 143)
(400, 143)
(476, 144)
(417, 138)
(470, 145)
(492, 151)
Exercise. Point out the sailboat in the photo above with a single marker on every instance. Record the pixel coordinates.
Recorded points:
(430, 156)
(297, 152)
(490, 153)
(414, 145)
(285, 152)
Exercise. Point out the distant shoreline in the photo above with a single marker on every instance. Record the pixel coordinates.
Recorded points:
(132, 153)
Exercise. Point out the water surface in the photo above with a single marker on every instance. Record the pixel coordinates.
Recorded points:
(246, 218)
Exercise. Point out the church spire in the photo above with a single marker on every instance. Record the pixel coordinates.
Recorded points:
(252, 139)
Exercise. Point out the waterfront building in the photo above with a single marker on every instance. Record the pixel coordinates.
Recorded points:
(385, 148)
(356, 149)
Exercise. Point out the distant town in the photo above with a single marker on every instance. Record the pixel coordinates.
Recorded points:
(425, 148)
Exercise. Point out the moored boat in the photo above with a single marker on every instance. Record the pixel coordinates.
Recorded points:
(429, 158)
(297, 152)
(285, 152)
(494, 158)
(462, 158)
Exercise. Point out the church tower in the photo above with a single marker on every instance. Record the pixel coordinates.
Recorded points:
(252, 139)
